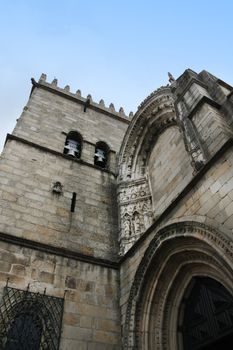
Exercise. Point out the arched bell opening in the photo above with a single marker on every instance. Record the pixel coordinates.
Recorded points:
(101, 154)
(73, 145)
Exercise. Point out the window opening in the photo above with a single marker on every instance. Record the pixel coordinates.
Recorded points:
(73, 203)
(30, 321)
(101, 154)
(73, 145)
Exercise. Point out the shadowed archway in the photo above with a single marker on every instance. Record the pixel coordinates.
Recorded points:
(207, 315)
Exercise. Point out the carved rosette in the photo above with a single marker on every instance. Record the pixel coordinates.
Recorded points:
(135, 209)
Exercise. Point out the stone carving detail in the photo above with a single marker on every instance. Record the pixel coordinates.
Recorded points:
(135, 213)
(154, 114)
(133, 192)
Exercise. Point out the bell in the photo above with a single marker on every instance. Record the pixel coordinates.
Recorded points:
(100, 157)
(72, 148)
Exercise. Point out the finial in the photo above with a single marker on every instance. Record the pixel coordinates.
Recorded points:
(54, 82)
(171, 78)
(67, 88)
(78, 92)
(102, 103)
(131, 114)
(43, 77)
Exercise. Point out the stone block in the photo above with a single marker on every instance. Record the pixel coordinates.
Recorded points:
(46, 277)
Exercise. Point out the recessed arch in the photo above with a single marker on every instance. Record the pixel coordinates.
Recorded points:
(155, 113)
(177, 254)
(73, 144)
(169, 167)
(101, 154)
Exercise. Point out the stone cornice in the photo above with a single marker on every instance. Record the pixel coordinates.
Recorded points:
(59, 251)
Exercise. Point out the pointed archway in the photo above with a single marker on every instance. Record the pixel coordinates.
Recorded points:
(177, 255)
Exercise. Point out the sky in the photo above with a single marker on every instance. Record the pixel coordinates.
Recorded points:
(116, 50)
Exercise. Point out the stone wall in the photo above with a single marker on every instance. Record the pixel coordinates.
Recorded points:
(33, 161)
(49, 116)
(91, 310)
(211, 128)
(208, 201)
(31, 210)
(168, 157)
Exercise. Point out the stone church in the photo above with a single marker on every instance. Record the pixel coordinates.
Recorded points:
(115, 230)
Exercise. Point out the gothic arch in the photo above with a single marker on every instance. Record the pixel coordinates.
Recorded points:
(177, 254)
(154, 115)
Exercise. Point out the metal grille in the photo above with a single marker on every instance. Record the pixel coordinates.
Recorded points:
(30, 321)
(208, 314)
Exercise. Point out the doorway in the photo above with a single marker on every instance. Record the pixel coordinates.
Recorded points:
(208, 316)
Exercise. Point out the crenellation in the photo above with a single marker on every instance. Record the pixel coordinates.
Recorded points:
(43, 77)
(66, 90)
(54, 82)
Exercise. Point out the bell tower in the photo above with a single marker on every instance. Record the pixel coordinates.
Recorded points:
(58, 226)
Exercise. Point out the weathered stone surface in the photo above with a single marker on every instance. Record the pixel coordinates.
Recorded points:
(164, 204)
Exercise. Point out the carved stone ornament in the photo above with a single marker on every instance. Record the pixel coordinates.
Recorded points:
(135, 213)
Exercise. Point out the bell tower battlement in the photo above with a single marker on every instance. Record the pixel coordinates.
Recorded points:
(59, 166)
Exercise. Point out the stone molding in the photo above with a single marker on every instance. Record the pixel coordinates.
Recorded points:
(195, 230)
(135, 208)
(59, 251)
(160, 103)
